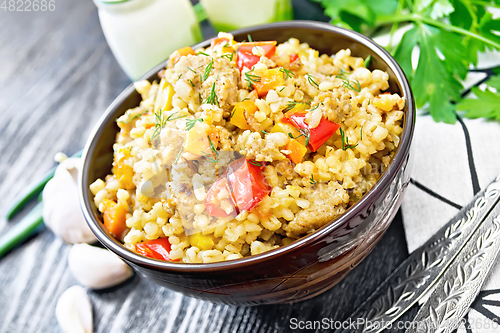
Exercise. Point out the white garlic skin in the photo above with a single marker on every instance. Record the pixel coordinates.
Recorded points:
(61, 207)
(74, 311)
(97, 268)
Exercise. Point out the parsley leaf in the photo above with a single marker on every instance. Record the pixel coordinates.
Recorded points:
(447, 36)
(486, 104)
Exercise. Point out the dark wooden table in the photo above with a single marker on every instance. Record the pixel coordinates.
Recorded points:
(57, 76)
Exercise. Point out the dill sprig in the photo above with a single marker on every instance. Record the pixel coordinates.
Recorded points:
(192, 84)
(305, 132)
(291, 104)
(228, 56)
(255, 163)
(208, 69)
(249, 38)
(212, 147)
(191, 122)
(251, 78)
(343, 74)
(311, 180)
(209, 157)
(349, 84)
(192, 70)
(204, 54)
(212, 97)
(160, 122)
(129, 119)
(286, 73)
(311, 81)
(171, 117)
(345, 139)
(178, 155)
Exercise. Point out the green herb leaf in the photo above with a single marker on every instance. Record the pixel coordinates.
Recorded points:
(208, 69)
(212, 97)
(311, 81)
(160, 122)
(250, 78)
(367, 61)
(311, 180)
(286, 73)
(486, 104)
(191, 122)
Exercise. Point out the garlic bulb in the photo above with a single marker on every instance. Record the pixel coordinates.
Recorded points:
(61, 207)
(97, 268)
(74, 311)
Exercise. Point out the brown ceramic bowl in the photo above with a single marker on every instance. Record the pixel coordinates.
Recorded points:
(300, 270)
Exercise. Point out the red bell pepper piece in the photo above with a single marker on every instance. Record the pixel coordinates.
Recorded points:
(218, 40)
(293, 57)
(245, 57)
(245, 182)
(318, 135)
(156, 249)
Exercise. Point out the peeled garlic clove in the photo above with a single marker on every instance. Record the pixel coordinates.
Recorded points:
(74, 311)
(61, 208)
(97, 268)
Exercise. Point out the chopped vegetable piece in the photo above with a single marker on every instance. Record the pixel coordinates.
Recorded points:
(318, 135)
(269, 79)
(289, 130)
(227, 44)
(245, 183)
(156, 249)
(245, 56)
(178, 54)
(297, 149)
(164, 97)
(203, 242)
(197, 139)
(294, 57)
(240, 110)
(212, 202)
(114, 217)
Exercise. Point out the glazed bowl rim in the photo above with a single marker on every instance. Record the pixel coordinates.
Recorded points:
(367, 199)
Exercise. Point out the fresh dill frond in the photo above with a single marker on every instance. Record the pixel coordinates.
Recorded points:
(286, 73)
(282, 89)
(232, 114)
(192, 84)
(192, 70)
(357, 86)
(210, 158)
(191, 122)
(264, 132)
(199, 98)
(212, 97)
(255, 163)
(228, 56)
(203, 53)
(178, 155)
(251, 78)
(249, 38)
(212, 147)
(180, 75)
(159, 124)
(311, 180)
(311, 81)
(208, 69)
(171, 117)
(306, 133)
(345, 140)
(129, 118)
